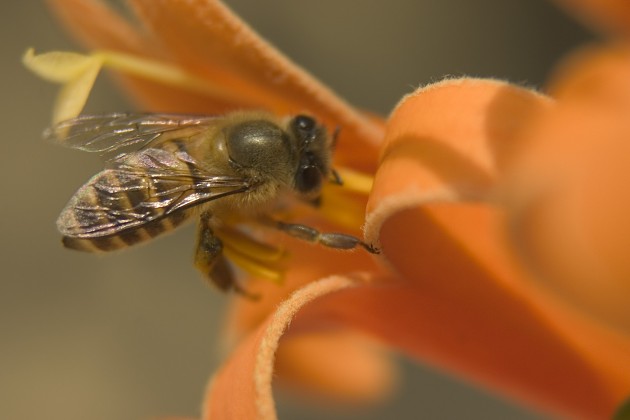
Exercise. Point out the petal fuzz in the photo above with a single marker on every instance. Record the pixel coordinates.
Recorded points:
(448, 142)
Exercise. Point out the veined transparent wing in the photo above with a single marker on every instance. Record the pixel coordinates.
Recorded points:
(146, 186)
(109, 133)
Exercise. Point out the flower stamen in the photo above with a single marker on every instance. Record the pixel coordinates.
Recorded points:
(249, 246)
(344, 204)
(254, 267)
(355, 181)
(254, 257)
(77, 73)
(163, 73)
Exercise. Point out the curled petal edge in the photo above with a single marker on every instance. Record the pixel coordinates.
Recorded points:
(242, 388)
(432, 210)
(448, 142)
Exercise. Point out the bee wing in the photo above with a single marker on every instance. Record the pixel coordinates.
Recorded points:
(146, 186)
(110, 132)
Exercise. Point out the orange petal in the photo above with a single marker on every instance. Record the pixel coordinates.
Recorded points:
(335, 366)
(242, 388)
(466, 305)
(208, 40)
(594, 73)
(308, 263)
(609, 15)
(448, 142)
(569, 193)
(467, 309)
(212, 42)
(96, 26)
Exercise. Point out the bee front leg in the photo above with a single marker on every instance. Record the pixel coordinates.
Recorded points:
(331, 240)
(209, 256)
(210, 261)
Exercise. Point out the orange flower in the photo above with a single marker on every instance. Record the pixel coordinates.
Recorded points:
(567, 196)
(449, 288)
(567, 193)
(608, 15)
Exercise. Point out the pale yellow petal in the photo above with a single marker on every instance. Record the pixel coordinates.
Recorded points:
(57, 66)
(74, 94)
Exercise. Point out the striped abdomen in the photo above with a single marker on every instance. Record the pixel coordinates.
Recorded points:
(127, 237)
(118, 208)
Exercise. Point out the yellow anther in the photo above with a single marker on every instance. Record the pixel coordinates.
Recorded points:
(342, 209)
(250, 247)
(254, 267)
(355, 181)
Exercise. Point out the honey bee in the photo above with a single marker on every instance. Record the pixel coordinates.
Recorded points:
(166, 169)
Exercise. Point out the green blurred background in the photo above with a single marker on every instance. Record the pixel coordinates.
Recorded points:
(132, 335)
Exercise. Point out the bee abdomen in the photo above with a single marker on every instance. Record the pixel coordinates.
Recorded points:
(127, 237)
(117, 209)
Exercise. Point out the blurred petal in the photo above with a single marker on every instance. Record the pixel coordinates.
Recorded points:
(594, 74)
(336, 366)
(609, 15)
(229, 54)
(96, 26)
(569, 192)
(242, 388)
(623, 413)
(233, 53)
(465, 304)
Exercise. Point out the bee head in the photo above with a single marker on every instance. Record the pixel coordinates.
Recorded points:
(313, 154)
(296, 151)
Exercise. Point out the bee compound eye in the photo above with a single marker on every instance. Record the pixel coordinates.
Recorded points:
(304, 123)
(308, 179)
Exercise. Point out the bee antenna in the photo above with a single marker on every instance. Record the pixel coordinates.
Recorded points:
(335, 136)
(335, 178)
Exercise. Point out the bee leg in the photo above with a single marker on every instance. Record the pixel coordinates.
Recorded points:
(210, 261)
(331, 240)
(315, 202)
(209, 256)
